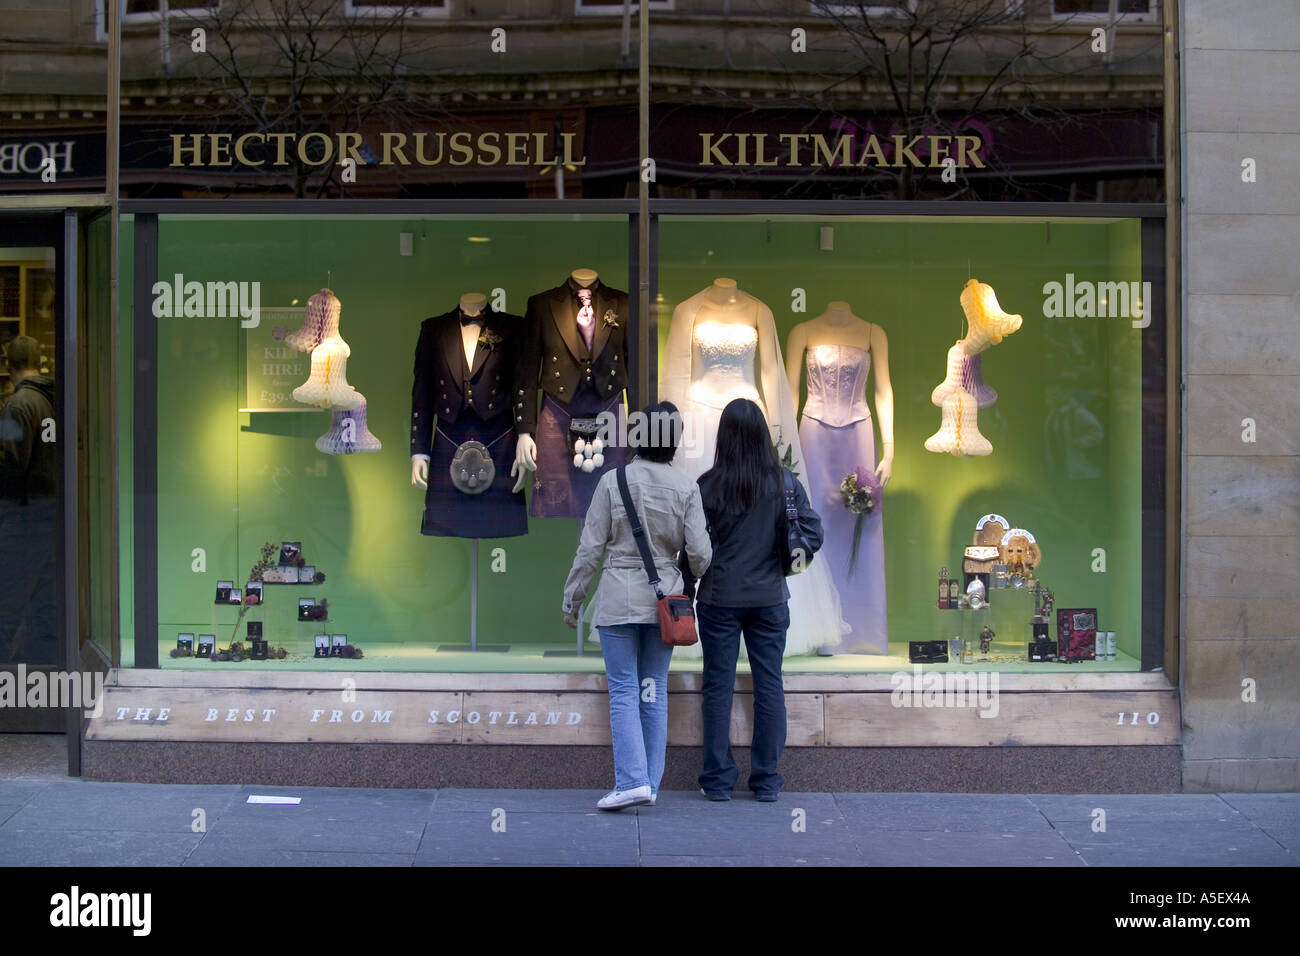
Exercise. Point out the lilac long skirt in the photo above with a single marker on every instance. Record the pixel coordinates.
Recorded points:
(831, 453)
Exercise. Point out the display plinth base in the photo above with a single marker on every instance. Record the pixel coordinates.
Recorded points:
(592, 649)
(480, 649)
(1073, 732)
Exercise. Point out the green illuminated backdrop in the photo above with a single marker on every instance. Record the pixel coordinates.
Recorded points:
(228, 481)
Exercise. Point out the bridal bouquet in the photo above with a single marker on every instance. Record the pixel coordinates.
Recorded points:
(860, 492)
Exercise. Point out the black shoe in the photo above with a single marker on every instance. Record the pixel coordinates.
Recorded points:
(766, 796)
(717, 796)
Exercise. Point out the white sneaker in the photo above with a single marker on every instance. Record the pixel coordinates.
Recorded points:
(653, 798)
(621, 799)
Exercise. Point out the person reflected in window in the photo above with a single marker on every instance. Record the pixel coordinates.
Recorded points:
(744, 593)
(28, 489)
(626, 615)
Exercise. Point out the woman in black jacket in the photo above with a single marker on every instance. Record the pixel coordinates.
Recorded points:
(744, 592)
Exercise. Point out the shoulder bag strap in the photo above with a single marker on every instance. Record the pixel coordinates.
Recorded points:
(638, 532)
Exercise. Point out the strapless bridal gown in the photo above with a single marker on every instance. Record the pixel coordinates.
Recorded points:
(723, 365)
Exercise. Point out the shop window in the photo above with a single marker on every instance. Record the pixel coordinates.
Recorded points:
(137, 10)
(616, 6)
(891, 8)
(385, 8)
(1035, 428)
(1138, 10)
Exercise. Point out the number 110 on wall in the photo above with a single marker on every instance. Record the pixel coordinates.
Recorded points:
(1153, 718)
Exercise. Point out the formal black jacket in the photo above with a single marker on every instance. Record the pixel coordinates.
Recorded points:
(445, 386)
(555, 357)
(746, 568)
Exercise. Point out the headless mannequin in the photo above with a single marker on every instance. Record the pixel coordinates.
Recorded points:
(727, 305)
(471, 303)
(526, 450)
(839, 326)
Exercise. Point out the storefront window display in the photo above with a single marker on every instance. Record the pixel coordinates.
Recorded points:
(987, 373)
(374, 433)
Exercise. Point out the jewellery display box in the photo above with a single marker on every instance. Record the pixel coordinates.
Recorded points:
(1041, 651)
(927, 652)
(207, 644)
(289, 551)
(1076, 633)
(185, 644)
(322, 645)
(223, 592)
(337, 643)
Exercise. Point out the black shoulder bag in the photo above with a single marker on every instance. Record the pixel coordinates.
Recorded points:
(799, 535)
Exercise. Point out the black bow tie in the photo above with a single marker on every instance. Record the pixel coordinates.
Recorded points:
(470, 319)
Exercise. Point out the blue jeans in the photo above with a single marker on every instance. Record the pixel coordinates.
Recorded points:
(720, 630)
(636, 665)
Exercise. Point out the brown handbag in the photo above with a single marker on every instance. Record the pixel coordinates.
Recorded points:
(676, 611)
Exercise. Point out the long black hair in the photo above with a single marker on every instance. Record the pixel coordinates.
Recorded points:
(745, 466)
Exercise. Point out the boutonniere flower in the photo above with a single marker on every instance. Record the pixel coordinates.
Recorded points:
(487, 338)
(610, 319)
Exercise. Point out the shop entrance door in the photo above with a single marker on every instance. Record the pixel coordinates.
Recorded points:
(32, 648)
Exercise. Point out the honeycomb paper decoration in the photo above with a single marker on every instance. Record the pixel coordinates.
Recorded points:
(328, 385)
(959, 434)
(348, 434)
(319, 323)
(989, 325)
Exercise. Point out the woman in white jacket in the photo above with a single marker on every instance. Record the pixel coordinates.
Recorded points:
(636, 659)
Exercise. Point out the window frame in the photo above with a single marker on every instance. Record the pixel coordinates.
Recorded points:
(1151, 15)
(581, 9)
(351, 10)
(871, 10)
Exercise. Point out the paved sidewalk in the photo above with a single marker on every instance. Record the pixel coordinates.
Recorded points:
(68, 822)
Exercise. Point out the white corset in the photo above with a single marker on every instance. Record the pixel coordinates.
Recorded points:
(837, 383)
(723, 357)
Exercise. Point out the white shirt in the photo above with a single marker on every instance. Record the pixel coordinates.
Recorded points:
(469, 336)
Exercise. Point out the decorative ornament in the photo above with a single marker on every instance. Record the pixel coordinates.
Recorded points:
(959, 434)
(328, 387)
(320, 321)
(348, 434)
(989, 325)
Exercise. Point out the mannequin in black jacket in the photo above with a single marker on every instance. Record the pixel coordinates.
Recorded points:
(579, 362)
(460, 397)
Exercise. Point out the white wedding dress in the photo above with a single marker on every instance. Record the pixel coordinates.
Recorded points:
(733, 352)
